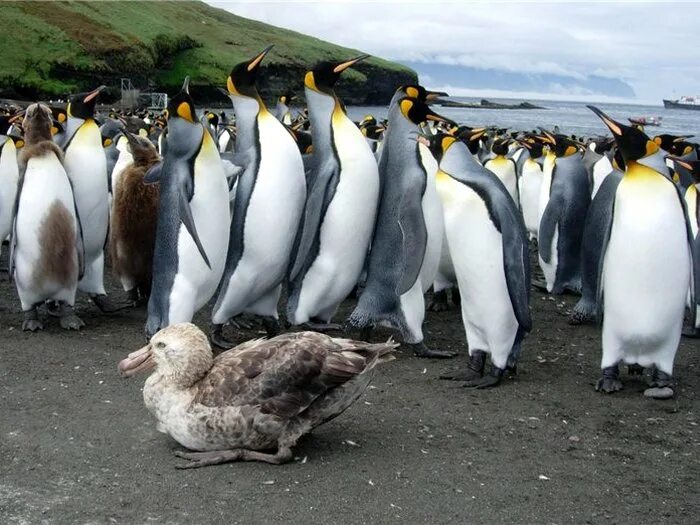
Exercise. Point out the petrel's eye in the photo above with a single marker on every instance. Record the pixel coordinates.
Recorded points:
(160, 345)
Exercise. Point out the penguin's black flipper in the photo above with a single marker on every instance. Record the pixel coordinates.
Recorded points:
(516, 260)
(153, 174)
(185, 213)
(548, 225)
(415, 239)
(596, 233)
(323, 185)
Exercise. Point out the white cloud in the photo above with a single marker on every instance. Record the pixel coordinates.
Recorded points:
(651, 45)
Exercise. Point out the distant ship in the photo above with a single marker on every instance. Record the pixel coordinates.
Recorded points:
(683, 103)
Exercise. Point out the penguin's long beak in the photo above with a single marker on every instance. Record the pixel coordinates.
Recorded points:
(613, 126)
(186, 85)
(680, 162)
(255, 63)
(547, 136)
(431, 115)
(344, 65)
(681, 138)
(433, 95)
(17, 116)
(93, 94)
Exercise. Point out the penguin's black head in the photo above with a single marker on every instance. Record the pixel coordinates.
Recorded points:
(500, 146)
(535, 147)
(213, 119)
(471, 137)
(691, 167)
(82, 105)
(419, 92)
(181, 105)
(243, 77)
(632, 143)
(438, 144)
(561, 145)
(323, 76)
(666, 140)
(5, 124)
(682, 147)
(418, 112)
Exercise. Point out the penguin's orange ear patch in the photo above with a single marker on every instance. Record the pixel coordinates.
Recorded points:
(231, 86)
(412, 92)
(107, 142)
(310, 81)
(447, 142)
(406, 106)
(652, 147)
(184, 110)
(570, 150)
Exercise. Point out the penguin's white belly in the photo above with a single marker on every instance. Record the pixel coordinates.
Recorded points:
(530, 184)
(476, 248)
(691, 201)
(9, 176)
(195, 283)
(45, 191)
(601, 169)
(643, 300)
(434, 222)
(348, 224)
(504, 169)
(124, 161)
(271, 219)
(86, 165)
(224, 140)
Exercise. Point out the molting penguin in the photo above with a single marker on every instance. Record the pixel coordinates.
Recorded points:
(46, 248)
(489, 249)
(268, 206)
(407, 235)
(341, 206)
(564, 199)
(643, 302)
(133, 221)
(86, 165)
(193, 219)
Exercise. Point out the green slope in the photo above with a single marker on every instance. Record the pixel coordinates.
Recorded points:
(53, 48)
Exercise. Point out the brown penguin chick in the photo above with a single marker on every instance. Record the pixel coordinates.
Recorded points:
(259, 396)
(133, 222)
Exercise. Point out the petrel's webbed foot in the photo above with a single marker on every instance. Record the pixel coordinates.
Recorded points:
(439, 302)
(67, 318)
(217, 337)
(31, 321)
(661, 385)
(473, 371)
(217, 457)
(609, 382)
(420, 350)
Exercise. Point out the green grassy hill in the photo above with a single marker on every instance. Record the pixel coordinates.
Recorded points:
(55, 48)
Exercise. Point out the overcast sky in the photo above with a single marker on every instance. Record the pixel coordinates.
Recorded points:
(651, 45)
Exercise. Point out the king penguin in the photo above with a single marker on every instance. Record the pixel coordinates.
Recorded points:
(282, 111)
(193, 219)
(489, 249)
(407, 240)
(86, 165)
(341, 206)
(9, 178)
(530, 184)
(46, 251)
(268, 205)
(504, 168)
(642, 301)
(564, 199)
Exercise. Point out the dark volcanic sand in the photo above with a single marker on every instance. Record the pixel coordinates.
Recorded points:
(77, 445)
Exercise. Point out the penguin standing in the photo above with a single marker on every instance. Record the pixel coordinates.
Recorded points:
(133, 221)
(268, 206)
(643, 302)
(530, 184)
(86, 165)
(193, 219)
(489, 249)
(341, 206)
(406, 244)
(9, 178)
(282, 111)
(504, 168)
(45, 257)
(564, 199)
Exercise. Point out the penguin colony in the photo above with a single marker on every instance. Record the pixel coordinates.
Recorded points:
(231, 211)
